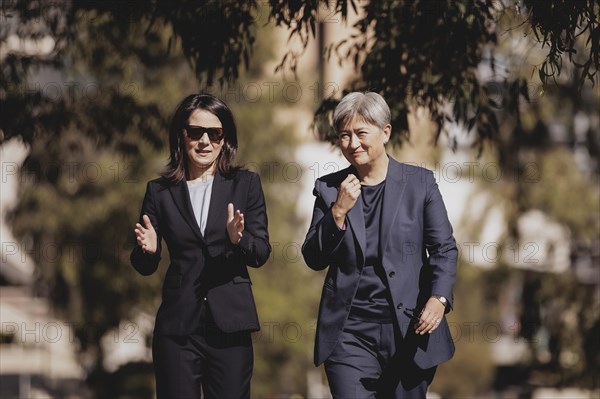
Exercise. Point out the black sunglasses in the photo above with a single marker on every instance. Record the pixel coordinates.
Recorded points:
(215, 134)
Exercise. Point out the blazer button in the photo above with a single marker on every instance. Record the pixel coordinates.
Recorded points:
(392, 274)
(400, 306)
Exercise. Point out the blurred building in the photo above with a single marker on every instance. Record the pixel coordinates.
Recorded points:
(38, 357)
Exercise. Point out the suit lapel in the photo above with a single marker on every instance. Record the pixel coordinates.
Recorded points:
(181, 197)
(217, 211)
(392, 199)
(356, 220)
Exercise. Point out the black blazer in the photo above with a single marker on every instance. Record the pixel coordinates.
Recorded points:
(206, 268)
(418, 250)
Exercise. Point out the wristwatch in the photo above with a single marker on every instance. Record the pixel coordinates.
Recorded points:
(442, 299)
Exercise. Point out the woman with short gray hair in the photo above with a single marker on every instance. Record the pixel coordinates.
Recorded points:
(381, 228)
(370, 106)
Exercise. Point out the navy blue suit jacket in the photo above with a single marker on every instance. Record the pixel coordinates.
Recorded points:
(206, 266)
(418, 250)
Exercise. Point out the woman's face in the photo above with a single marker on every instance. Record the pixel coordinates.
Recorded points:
(202, 150)
(363, 143)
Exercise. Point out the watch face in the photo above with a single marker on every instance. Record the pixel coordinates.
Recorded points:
(442, 300)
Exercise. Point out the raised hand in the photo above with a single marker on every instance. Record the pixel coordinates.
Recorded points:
(235, 224)
(146, 236)
(346, 199)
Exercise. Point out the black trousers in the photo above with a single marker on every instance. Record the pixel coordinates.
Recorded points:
(210, 361)
(371, 360)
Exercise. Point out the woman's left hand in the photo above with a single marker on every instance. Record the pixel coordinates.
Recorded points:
(235, 224)
(431, 316)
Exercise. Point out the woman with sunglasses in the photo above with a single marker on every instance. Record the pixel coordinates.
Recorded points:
(212, 216)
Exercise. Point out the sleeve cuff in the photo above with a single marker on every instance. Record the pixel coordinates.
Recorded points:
(245, 244)
(331, 234)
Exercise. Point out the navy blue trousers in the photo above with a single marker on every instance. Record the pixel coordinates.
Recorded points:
(371, 360)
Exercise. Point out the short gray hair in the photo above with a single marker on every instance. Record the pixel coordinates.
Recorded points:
(369, 106)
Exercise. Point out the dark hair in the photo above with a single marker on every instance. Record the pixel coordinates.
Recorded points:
(177, 167)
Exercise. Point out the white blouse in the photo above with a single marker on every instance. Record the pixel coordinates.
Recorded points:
(200, 192)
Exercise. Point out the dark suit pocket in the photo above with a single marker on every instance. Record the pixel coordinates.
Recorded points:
(172, 281)
(232, 306)
(433, 349)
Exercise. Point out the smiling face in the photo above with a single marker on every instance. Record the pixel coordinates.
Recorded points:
(201, 153)
(362, 143)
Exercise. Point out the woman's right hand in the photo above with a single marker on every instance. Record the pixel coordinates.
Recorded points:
(146, 236)
(346, 199)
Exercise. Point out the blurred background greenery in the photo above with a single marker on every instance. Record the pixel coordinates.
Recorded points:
(497, 97)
